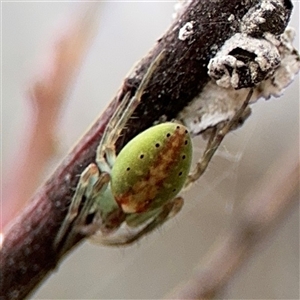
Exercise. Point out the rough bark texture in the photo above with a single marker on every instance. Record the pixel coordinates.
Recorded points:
(27, 255)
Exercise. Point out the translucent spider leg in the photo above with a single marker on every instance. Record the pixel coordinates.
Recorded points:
(81, 211)
(168, 211)
(89, 184)
(214, 142)
(106, 149)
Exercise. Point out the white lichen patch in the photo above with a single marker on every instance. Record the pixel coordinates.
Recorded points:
(216, 104)
(266, 16)
(256, 16)
(285, 73)
(227, 69)
(231, 18)
(185, 31)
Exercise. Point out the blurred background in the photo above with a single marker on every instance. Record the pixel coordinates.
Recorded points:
(157, 263)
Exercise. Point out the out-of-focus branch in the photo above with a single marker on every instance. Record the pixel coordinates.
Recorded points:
(46, 96)
(275, 196)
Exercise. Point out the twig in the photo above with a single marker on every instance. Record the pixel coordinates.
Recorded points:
(264, 207)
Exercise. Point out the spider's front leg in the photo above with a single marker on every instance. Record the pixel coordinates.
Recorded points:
(106, 151)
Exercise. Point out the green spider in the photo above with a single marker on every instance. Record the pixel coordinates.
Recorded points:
(135, 190)
(120, 198)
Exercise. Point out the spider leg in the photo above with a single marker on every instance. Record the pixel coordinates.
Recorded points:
(215, 139)
(131, 234)
(106, 148)
(90, 183)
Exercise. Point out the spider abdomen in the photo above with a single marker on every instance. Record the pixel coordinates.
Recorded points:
(152, 168)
